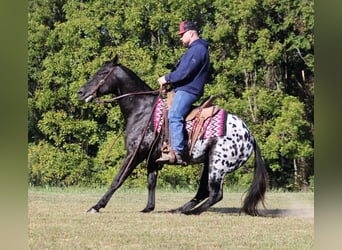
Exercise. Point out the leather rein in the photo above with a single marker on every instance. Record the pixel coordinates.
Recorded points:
(102, 81)
(94, 94)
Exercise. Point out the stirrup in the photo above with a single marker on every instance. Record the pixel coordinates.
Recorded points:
(171, 158)
(164, 158)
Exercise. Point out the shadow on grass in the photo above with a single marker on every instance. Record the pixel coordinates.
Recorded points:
(235, 211)
(300, 212)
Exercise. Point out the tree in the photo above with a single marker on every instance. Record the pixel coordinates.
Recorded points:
(288, 145)
(264, 49)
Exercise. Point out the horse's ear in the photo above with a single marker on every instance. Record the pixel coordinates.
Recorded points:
(115, 60)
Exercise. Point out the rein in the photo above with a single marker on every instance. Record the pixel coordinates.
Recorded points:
(126, 95)
(160, 92)
(98, 101)
(102, 81)
(138, 146)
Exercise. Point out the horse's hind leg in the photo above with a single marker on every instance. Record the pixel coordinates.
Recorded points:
(215, 195)
(201, 195)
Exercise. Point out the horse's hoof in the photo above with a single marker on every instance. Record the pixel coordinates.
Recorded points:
(147, 209)
(92, 211)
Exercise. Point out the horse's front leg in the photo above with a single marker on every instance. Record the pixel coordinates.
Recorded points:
(126, 169)
(152, 182)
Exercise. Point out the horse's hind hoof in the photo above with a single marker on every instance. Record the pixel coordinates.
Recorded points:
(92, 211)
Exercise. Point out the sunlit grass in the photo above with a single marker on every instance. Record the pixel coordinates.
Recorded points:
(57, 220)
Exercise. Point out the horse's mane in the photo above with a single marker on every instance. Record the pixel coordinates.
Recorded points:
(129, 72)
(133, 75)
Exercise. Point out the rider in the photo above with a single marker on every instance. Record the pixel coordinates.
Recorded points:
(188, 81)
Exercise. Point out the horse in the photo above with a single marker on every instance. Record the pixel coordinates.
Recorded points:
(220, 155)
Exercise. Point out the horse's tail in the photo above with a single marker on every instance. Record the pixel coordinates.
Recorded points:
(256, 192)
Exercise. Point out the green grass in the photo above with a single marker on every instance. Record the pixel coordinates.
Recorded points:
(57, 220)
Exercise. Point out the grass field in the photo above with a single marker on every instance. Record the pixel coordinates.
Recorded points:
(57, 220)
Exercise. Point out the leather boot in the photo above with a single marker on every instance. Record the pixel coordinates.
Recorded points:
(172, 158)
(180, 159)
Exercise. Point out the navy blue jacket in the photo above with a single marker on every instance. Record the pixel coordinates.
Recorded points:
(192, 70)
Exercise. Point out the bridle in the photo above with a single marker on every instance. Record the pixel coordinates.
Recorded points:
(102, 81)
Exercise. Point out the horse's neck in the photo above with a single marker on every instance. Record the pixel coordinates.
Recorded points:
(133, 86)
(134, 107)
(137, 109)
(130, 82)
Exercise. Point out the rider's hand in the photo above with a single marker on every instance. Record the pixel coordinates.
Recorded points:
(162, 81)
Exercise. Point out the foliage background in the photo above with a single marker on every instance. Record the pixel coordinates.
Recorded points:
(262, 60)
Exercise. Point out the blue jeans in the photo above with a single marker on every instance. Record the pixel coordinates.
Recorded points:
(180, 107)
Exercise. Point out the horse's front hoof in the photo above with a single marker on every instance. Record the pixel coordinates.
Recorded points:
(147, 210)
(92, 210)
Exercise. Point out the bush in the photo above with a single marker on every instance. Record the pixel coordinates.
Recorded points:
(312, 183)
(51, 166)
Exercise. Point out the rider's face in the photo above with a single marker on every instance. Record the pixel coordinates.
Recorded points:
(186, 38)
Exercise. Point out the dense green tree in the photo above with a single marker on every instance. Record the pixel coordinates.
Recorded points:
(262, 61)
(264, 52)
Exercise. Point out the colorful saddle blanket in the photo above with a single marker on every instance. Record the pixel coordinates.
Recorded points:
(214, 126)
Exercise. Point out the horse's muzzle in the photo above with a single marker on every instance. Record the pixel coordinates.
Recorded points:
(83, 96)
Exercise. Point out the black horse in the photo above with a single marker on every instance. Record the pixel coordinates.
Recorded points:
(220, 155)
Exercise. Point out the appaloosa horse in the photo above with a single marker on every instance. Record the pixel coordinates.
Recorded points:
(220, 155)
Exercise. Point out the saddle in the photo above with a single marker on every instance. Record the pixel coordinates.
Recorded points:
(198, 115)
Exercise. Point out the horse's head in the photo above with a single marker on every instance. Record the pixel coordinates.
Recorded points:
(102, 83)
(112, 78)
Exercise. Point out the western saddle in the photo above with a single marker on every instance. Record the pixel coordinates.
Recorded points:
(197, 115)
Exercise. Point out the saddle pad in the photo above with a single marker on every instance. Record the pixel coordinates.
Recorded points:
(158, 115)
(212, 127)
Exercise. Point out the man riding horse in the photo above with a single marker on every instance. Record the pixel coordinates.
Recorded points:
(220, 153)
(188, 81)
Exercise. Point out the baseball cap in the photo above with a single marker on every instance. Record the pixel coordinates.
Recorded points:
(184, 26)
